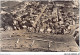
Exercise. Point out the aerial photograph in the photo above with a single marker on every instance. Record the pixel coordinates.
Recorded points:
(39, 26)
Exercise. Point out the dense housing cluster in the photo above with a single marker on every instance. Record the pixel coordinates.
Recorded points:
(42, 17)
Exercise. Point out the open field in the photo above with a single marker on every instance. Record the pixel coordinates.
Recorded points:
(22, 41)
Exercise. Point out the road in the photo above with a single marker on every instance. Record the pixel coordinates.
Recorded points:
(38, 18)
